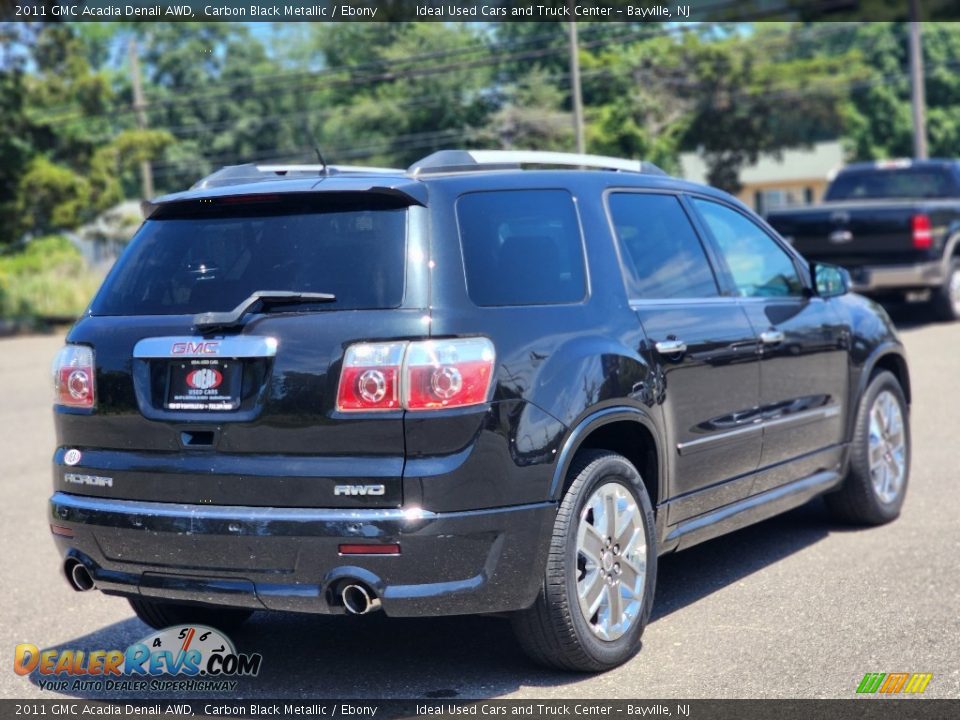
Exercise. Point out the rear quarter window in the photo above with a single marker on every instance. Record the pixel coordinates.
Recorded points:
(522, 247)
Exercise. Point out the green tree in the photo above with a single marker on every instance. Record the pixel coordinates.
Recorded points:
(640, 108)
(530, 115)
(51, 197)
(16, 146)
(215, 89)
(878, 114)
(395, 110)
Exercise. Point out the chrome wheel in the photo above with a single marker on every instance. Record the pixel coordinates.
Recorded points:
(888, 447)
(611, 561)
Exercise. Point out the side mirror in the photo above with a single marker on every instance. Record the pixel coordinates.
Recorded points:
(830, 280)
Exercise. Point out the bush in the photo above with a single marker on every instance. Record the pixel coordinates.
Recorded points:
(47, 279)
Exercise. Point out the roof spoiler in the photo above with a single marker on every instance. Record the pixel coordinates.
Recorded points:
(253, 172)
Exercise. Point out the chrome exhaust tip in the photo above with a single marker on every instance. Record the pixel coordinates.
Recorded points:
(78, 576)
(358, 600)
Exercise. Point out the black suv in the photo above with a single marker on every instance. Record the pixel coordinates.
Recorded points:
(460, 388)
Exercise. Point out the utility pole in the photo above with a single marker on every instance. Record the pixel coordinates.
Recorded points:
(140, 107)
(575, 86)
(917, 90)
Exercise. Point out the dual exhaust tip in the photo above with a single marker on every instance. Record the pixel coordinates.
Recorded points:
(359, 599)
(78, 576)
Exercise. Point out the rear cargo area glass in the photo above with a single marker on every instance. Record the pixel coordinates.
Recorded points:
(190, 263)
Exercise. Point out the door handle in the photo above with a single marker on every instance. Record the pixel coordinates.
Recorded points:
(772, 337)
(671, 347)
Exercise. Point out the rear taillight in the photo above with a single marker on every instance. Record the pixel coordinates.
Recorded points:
(447, 373)
(73, 377)
(425, 375)
(370, 379)
(922, 237)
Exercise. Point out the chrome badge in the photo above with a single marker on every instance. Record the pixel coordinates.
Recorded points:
(93, 480)
(359, 489)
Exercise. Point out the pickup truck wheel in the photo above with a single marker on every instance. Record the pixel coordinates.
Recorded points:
(946, 299)
(159, 615)
(598, 586)
(875, 486)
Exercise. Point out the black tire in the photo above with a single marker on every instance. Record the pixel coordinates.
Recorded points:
(554, 631)
(944, 300)
(857, 501)
(158, 614)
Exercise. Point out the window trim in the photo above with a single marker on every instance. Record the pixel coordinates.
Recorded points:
(799, 264)
(705, 245)
(588, 289)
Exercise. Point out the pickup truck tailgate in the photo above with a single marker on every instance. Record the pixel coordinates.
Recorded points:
(852, 234)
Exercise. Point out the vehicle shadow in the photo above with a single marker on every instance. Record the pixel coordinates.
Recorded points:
(685, 577)
(308, 657)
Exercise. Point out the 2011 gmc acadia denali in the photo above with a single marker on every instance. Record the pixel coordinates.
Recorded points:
(466, 387)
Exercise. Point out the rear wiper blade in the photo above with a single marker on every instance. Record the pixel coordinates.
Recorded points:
(232, 318)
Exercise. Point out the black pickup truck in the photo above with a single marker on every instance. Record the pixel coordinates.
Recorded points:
(894, 224)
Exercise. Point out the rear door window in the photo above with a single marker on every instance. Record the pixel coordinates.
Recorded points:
(522, 247)
(199, 261)
(661, 254)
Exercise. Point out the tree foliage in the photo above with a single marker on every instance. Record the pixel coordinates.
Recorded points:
(388, 93)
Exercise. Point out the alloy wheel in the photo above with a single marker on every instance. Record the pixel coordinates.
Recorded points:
(888, 447)
(611, 561)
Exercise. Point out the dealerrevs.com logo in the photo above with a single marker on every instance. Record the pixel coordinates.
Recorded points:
(201, 658)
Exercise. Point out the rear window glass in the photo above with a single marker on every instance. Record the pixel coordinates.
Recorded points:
(190, 264)
(522, 247)
(892, 183)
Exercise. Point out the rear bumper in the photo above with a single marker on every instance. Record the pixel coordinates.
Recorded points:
(878, 278)
(288, 558)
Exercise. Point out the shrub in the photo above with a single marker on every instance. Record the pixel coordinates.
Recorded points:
(46, 279)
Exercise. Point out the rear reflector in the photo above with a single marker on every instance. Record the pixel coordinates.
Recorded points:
(425, 375)
(922, 236)
(61, 530)
(389, 549)
(73, 377)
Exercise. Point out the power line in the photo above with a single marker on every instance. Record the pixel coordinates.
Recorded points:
(634, 35)
(439, 99)
(334, 77)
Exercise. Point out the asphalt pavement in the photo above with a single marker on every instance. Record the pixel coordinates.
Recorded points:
(793, 607)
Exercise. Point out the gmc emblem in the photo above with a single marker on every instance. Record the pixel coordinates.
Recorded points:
(209, 347)
(359, 489)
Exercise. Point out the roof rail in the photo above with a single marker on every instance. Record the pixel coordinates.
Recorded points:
(446, 161)
(252, 172)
